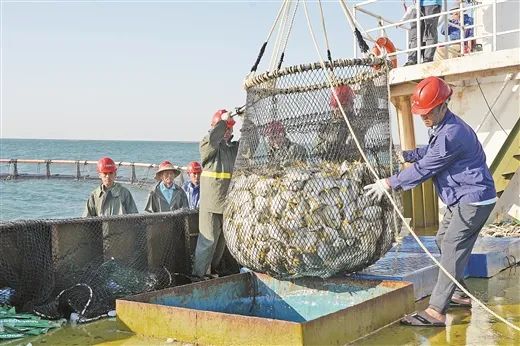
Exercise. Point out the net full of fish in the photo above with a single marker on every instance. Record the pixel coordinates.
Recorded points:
(295, 205)
(305, 222)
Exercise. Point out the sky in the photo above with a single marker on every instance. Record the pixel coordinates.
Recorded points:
(153, 70)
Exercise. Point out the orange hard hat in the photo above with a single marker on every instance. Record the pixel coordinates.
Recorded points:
(194, 167)
(274, 128)
(345, 96)
(428, 94)
(218, 116)
(106, 165)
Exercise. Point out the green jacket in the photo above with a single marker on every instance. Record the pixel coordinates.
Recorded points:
(115, 201)
(157, 203)
(218, 159)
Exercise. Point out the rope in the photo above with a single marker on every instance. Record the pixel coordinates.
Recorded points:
(374, 173)
(262, 49)
(287, 36)
(490, 108)
(279, 36)
(329, 56)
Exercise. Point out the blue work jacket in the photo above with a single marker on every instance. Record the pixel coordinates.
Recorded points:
(193, 193)
(454, 158)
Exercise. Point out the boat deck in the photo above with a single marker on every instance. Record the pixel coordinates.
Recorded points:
(464, 328)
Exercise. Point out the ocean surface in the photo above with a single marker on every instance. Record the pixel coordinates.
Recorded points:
(65, 198)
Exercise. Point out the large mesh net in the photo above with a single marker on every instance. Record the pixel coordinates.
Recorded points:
(295, 204)
(56, 267)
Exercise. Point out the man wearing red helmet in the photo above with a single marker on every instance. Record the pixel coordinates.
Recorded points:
(192, 187)
(166, 195)
(334, 140)
(456, 162)
(218, 156)
(280, 149)
(110, 198)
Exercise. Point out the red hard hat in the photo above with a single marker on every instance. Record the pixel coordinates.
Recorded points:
(194, 167)
(345, 96)
(218, 116)
(274, 128)
(106, 165)
(428, 94)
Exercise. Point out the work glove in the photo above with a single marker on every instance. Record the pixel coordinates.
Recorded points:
(377, 190)
(225, 116)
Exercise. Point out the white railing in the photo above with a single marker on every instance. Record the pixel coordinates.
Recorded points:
(361, 13)
(78, 169)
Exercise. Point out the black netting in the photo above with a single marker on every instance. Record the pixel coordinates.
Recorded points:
(56, 267)
(295, 204)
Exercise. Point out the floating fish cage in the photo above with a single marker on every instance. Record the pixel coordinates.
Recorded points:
(81, 265)
(128, 172)
(255, 309)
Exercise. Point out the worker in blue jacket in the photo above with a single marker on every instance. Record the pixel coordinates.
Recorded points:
(456, 162)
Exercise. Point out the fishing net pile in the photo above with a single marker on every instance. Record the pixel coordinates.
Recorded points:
(296, 205)
(55, 268)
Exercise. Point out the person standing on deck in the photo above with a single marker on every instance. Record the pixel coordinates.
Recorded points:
(192, 187)
(428, 31)
(218, 156)
(166, 195)
(110, 198)
(456, 162)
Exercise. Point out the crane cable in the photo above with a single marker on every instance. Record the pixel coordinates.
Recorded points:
(388, 195)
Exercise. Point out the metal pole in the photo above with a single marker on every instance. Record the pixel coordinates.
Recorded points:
(462, 28)
(134, 178)
(418, 36)
(78, 171)
(494, 46)
(446, 28)
(48, 168)
(15, 168)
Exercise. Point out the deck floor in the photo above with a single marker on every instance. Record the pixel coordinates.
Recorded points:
(464, 327)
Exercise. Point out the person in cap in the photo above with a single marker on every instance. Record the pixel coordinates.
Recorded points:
(166, 195)
(218, 154)
(192, 187)
(109, 198)
(281, 150)
(456, 162)
(334, 140)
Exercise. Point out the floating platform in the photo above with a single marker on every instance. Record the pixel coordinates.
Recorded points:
(416, 268)
(492, 255)
(489, 256)
(409, 244)
(255, 309)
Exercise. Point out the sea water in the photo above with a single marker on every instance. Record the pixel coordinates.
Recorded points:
(65, 198)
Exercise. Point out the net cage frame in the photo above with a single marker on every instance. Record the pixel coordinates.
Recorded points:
(57, 266)
(283, 216)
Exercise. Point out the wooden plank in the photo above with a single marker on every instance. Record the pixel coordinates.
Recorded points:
(429, 197)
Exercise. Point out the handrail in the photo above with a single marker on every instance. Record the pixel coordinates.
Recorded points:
(443, 15)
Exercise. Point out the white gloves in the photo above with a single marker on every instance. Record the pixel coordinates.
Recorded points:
(225, 116)
(377, 190)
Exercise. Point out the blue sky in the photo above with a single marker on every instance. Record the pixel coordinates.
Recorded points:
(143, 70)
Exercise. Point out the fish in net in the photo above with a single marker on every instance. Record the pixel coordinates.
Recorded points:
(295, 205)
